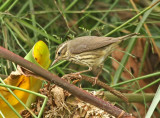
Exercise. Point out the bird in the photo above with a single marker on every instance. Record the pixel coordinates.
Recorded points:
(90, 51)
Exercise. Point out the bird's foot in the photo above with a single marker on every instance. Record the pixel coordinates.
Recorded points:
(75, 77)
(77, 74)
(95, 80)
(72, 75)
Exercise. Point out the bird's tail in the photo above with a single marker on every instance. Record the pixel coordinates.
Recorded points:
(127, 36)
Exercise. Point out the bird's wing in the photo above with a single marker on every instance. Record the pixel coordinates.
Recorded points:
(87, 43)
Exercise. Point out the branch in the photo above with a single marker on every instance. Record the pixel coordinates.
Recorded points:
(99, 83)
(81, 94)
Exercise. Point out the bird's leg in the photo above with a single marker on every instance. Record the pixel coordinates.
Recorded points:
(79, 73)
(89, 69)
(96, 78)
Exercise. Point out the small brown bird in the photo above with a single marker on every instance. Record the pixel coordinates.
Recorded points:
(89, 51)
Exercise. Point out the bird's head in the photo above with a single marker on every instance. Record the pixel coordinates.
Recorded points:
(61, 53)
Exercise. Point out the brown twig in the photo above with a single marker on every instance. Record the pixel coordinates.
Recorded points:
(81, 94)
(99, 83)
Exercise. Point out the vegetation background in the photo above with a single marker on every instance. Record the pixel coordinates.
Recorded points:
(24, 22)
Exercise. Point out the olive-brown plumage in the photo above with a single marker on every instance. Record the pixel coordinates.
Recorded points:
(89, 51)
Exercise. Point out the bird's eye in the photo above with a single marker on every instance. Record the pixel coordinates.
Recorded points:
(59, 53)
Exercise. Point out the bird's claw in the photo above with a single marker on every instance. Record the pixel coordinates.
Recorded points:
(77, 74)
(95, 80)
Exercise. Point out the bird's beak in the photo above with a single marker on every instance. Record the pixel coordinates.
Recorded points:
(54, 61)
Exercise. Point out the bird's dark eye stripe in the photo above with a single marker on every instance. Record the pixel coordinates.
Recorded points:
(59, 53)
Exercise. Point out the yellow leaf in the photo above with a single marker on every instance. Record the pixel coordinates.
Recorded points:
(22, 82)
(41, 54)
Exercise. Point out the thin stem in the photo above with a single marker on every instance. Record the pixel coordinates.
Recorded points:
(138, 78)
